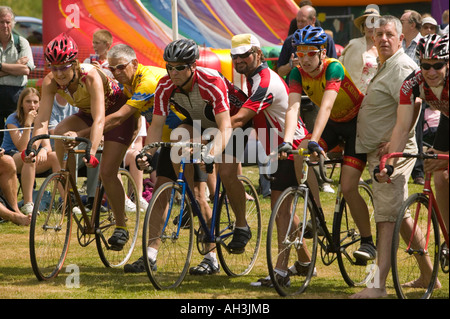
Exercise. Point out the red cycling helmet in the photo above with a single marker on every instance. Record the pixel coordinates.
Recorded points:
(61, 50)
(432, 46)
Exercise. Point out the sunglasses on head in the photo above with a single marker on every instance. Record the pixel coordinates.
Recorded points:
(120, 67)
(301, 54)
(436, 66)
(242, 56)
(177, 67)
(56, 68)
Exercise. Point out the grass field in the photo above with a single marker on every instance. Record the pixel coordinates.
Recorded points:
(17, 280)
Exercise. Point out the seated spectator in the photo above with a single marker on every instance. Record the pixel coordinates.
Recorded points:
(8, 198)
(15, 142)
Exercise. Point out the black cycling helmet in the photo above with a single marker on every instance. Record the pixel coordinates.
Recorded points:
(184, 50)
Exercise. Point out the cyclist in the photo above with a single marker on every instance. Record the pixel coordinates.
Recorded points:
(199, 94)
(431, 84)
(88, 88)
(266, 107)
(327, 84)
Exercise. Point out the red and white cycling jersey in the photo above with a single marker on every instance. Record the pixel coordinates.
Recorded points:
(268, 97)
(415, 86)
(211, 94)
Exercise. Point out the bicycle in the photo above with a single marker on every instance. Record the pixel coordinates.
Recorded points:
(58, 202)
(307, 230)
(421, 237)
(175, 230)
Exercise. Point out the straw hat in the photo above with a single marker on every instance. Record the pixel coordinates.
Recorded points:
(370, 12)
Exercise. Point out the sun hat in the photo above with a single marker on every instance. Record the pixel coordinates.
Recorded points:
(241, 43)
(370, 12)
(429, 20)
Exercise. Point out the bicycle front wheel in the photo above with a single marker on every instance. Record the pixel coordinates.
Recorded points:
(292, 242)
(174, 236)
(355, 272)
(239, 264)
(411, 260)
(50, 229)
(105, 223)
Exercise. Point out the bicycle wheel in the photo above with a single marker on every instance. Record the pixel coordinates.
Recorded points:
(50, 229)
(407, 264)
(290, 245)
(239, 264)
(105, 223)
(175, 241)
(354, 271)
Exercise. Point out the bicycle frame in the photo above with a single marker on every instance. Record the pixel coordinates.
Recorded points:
(427, 191)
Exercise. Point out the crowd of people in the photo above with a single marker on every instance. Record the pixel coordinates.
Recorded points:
(374, 97)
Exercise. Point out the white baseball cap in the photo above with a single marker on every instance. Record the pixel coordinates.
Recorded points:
(429, 20)
(241, 43)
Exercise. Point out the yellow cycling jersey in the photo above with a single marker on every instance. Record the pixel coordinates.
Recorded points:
(334, 76)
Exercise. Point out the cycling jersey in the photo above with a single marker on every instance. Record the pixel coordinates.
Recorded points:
(335, 77)
(268, 97)
(211, 94)
(81, 97)
(415, 86)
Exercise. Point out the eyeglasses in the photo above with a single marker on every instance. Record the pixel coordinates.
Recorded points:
(120, 67)
(436, 66)
(301, 54)
(62, 68)
(243, 55)
(176, 67)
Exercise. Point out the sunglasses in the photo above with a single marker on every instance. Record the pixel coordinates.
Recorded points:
(120, 67)
(436, 66)
(63, 68)
(301, 54)
(242, 56)
(177, 67)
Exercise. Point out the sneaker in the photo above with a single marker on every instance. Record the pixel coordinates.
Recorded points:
(301, 269)
(130, 206)
(240, 240)
(27, 208)
(267, 282)
(205, 267)
(366, 252)
(143, 204)
(419, 181)
(138, 266)
(118, 239)
(326, 188)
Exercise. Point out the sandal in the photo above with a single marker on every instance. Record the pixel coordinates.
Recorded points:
(205, 267)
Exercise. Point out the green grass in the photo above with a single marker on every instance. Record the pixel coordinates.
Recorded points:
(29, 8)
(17, 280)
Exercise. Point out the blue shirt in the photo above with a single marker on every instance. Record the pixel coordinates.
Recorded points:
(8, 143)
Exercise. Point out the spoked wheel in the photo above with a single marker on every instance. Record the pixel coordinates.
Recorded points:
(239, 264)
(292, 242)
(411, 261)
(50, 229)
(105, 223)
(355, 272)
(173, 235)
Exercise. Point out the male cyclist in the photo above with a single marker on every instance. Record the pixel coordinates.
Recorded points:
(328, 85)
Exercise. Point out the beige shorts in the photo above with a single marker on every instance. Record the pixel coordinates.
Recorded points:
(389, 197)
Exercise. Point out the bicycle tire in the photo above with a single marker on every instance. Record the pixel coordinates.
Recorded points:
(282, 255)
(174, 253)
(405, 266)
(50, 229)
(105, 224)
(353, 271)
(239, 264)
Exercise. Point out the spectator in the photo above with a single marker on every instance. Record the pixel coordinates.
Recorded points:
(16, 62)
(376, 120)
(101, 41)
(16, 141)
(8, 192)
(444, 25)
(360, 55)
(429, 26)
(411, 25)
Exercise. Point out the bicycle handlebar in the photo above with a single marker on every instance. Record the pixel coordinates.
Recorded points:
(87, 150)
(422, 156)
